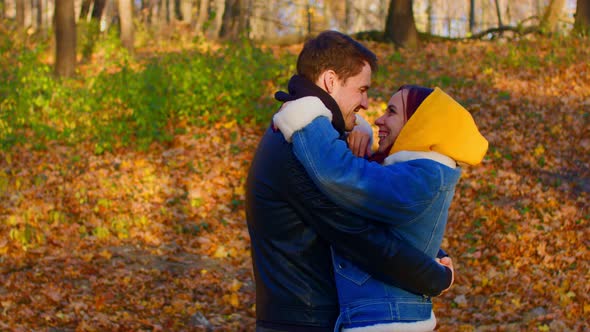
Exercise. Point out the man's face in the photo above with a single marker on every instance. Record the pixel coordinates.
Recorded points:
(351, 95)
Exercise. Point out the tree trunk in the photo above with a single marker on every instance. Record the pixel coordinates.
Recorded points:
(85, 9)
(110, 10)
(263, 22)
(65, 38)
(429, 17)
(471, 16)
(359, 11)
(20, 14)
(29, 13)
(347, 13)
(258, 22)
(508, 13)
(156, 18)
(219, 10)
(582, 23)
(42, 17)
(229, 18)
(126, 22)
(550, 20)
(330, 16)
(39, 14)
(308, 19)
(169, 9)
(98, 9)
(93, 28)
(186, 11)
(164, 14)
(401, 27)
(144, 12)
(499, 13)
(203, 16)
(175, 10)
(234, 20)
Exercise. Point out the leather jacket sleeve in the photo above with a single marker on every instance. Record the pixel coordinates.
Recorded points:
(365, 242)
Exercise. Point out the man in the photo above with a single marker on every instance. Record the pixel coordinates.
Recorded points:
(292, 225)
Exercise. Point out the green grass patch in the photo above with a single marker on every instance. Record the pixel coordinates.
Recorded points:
(135, 103)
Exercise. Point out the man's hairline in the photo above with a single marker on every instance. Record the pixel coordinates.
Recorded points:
(365, 63)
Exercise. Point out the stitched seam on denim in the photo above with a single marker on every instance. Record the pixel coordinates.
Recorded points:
(358, 282)
(352, 311)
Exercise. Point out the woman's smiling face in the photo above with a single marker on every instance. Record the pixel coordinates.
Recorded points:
(391, 122)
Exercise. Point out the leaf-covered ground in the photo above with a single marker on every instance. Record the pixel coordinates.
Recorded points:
(157, 240)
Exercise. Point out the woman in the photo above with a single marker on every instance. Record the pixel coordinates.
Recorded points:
(423, 136)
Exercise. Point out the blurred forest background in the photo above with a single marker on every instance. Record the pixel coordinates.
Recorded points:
(127, 128)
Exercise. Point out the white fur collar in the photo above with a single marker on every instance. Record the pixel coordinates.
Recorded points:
(420, 326)
(412, 155)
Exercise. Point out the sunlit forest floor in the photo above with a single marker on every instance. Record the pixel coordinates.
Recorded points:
(155, 239)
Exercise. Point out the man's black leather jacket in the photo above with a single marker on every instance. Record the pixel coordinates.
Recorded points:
(292, 226)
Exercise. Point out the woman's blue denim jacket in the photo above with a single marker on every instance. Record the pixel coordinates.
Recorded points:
(412, 196)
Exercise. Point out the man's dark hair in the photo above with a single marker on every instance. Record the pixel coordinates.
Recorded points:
(336, 51)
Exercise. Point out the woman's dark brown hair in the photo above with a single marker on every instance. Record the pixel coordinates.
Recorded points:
(412, 98)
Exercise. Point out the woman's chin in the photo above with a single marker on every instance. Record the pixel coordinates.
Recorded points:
(384, 145)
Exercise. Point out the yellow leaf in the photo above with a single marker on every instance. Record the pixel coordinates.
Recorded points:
(484, 281)
(234, 300)
(12, 221)
(125, 164)
(88, 257)
(516, 302)
(229, 124)
(220, 252)
(235, 285)
(240, 191)
(466, 328)
(539, 150)
(106, 254)
(6, 304)
(140, 163)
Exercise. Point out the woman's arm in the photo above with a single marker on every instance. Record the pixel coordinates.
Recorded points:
(363, 241)
(394, 193)
(363, 187)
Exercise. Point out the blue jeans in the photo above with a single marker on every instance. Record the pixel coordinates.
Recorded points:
(365, 300)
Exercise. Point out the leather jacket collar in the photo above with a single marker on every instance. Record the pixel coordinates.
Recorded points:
(301, 87)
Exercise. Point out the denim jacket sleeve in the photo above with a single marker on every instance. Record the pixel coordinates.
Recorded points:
(391, 194)
(365, 242)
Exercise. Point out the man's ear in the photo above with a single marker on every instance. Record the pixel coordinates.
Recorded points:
(327, 80)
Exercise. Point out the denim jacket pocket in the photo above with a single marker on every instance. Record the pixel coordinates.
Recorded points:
(348, 270)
